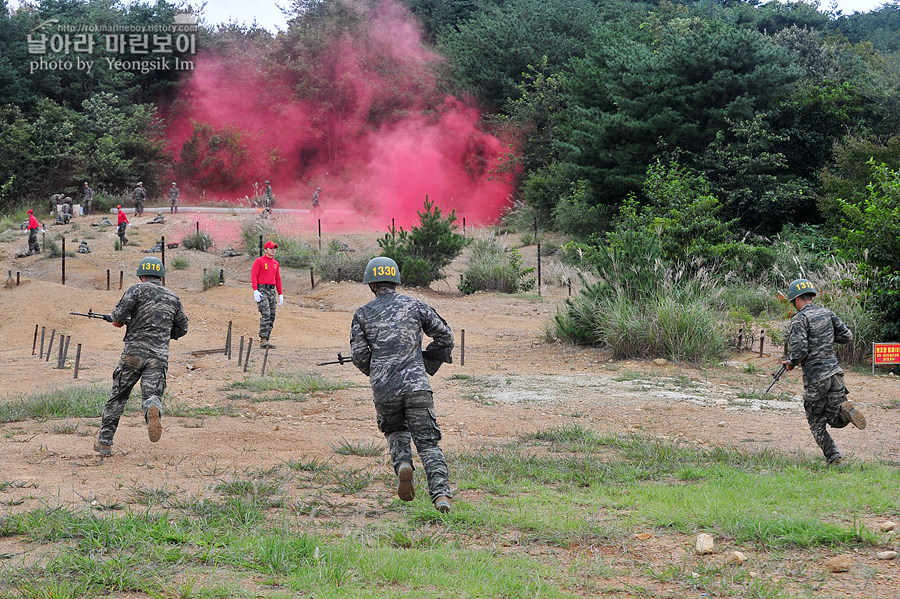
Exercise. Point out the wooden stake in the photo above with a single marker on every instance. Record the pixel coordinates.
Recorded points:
(107, 279)
(77, 360)
(50, 346)
(762, 341)
(462, 347)
(247, 357)
(121, 278)
(241, 351)
(265, 359)
(312, 280)
(34, 345)
(43, 332)
(228, 341)
(63, 260)
(539, 268)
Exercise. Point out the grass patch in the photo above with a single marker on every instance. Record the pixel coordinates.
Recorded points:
(553, 515)
(286, 385)
(75, 402)
(360, 448)
(179, 263)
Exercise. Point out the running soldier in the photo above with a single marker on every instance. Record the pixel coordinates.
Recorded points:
(88, 199)
(123, 224)
(386, 345)
(265, 277)
(33, 226)
(153, 315)
(814, 331)
(174, 192)
(138, 195)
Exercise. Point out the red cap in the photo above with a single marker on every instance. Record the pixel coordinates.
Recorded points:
(118, 207)
(32, 212)
(270, 244)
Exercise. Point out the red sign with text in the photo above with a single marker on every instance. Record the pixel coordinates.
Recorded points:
(886, 353)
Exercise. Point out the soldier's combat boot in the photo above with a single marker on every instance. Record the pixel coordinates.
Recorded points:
(264, 343)
(405, 489)
(154, 427)
(103, 449)
(442, 504)
(851, 413)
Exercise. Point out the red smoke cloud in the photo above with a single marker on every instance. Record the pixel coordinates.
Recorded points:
(363, 119)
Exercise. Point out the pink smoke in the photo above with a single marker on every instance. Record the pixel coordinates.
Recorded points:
(376, 137)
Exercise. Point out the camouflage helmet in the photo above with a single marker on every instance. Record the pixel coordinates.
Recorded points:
(380, 270)
(151, 267)
(800, 287)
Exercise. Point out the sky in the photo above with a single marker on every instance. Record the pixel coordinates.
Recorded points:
(270, 17)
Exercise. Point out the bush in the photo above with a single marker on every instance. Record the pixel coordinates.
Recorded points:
(210, 278)
(494, 268)
(424, 251)
(352, 266)
(198, 241)
(179, 263)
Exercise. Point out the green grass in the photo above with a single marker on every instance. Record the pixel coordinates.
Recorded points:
(359, 448)
(286, 385)
(179, 263)
(553, 514)
(74, 402)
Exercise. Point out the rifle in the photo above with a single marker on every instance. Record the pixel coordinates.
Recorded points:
(776, 376)
(341, 360)
(92, 314)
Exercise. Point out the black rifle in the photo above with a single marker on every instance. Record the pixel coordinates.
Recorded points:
(776, 376)
(341, 360)
(92, 314)
(427, 354)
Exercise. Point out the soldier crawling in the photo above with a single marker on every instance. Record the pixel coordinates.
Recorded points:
(813, 333)
(153, 315)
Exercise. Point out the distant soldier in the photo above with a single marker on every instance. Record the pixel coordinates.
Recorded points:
(33, 226)
(138, 195)
(55, 199)
(83, 247)
(265, 278)
(174, 192)
(266, 213)
(103, 222)
(68, 202)
(88, 199)
(814, 331)
(153, 315)
(317, 212)
(158, 219)
(64, 215)
(386, 344)
(268, 196)
(123, 224)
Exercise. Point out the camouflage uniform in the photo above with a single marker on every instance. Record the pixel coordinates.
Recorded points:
(55, 199)
(121, 233)
(88, 199)
(156, 316)
(386, 344)
(174, 192)
(138, 196)
(269, 198)
(813, 333)
(267, 306)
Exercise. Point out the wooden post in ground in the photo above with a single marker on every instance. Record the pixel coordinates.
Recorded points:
(228, 341)
(50, 346)
(462, 347)
(539, 268)
(43, 332)
(241, 351)
(265, 359)
(77, 360)
(34, 344)
(762, 341)
(107, 279)
(247, 357)
(121, 278)
(63, 260)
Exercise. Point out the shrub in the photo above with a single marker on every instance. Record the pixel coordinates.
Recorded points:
(179, 263)
(424, 251)
(352, 266)
(210, 278)
(198, 241)
(494, 268)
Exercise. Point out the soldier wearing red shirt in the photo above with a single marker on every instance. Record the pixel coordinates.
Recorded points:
(123, 223)
(265, 277)
(33, 226)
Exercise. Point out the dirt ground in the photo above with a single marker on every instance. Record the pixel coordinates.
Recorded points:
(512, 380)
